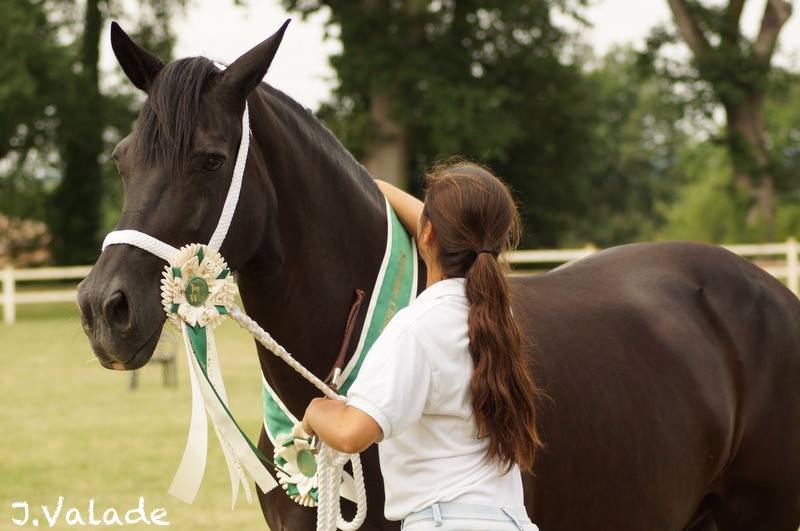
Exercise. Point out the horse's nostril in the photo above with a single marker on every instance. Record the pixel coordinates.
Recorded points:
(116, 311)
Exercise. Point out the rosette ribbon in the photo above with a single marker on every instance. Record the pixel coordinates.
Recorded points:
(197, 293)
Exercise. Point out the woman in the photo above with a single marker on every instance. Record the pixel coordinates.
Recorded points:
(445, 390)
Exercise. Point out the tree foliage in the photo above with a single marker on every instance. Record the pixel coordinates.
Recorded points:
(590, 152)
(56, 124)
(609, 150)
(711, 207)
(33, 77)
(492, 82)
(638, 138)
(735, 72)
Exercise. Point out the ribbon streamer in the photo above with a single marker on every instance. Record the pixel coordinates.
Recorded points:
(197, 294)
(237, 448)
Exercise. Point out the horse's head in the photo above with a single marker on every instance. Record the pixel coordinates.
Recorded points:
(176, 168)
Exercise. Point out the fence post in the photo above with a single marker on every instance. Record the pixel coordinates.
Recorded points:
(9, 311)
(791, 264)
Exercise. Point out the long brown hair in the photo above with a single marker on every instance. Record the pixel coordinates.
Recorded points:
(475, 219)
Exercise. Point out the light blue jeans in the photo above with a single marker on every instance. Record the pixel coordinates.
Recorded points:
(452, 516)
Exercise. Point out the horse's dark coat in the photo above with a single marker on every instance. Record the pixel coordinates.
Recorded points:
(671, 368)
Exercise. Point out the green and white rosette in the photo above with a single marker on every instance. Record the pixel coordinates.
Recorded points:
(297, 466)
(198, 288)
(197, 293)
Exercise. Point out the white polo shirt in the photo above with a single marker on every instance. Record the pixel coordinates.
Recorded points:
(415, 383)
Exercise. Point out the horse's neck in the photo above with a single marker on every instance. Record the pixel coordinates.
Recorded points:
(332, 229)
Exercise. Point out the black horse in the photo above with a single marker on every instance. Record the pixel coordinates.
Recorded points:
(672, 369)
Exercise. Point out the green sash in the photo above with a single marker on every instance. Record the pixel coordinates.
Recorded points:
(394, 289)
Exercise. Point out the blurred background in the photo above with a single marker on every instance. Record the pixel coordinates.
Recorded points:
(614, 121)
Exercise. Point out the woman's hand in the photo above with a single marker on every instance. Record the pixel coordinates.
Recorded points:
(308, 413)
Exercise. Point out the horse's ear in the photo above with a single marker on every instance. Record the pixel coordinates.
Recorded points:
(246, 72)
(139, 65)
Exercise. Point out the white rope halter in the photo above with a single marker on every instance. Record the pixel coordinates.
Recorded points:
(208, 390)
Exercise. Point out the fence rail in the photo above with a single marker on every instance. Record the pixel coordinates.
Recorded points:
(783, 264)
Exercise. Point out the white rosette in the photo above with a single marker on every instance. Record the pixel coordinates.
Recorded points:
(201, 262)
(296, 466)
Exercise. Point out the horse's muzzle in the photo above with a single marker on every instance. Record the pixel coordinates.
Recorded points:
(120, 337)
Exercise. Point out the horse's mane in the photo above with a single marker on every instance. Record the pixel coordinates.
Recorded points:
(318, 133)
(168, 118)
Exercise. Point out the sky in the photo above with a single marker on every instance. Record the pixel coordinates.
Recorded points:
(221, 30)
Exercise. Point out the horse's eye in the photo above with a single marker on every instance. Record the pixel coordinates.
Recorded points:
(212, 163)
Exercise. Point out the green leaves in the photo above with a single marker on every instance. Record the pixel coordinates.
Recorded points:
(488, 81)
(56, 125)
(597, 149)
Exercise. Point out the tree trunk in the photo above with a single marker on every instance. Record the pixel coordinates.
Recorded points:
(386, 156)
(751, 161)
(744, 109)
(74, 216)
(387, 153)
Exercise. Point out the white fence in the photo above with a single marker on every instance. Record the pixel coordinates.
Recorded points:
(11, 297)
(782, 263)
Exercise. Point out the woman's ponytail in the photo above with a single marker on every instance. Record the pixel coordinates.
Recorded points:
(475, 220)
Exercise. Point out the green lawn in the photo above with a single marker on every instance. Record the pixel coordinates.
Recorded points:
(70, 428)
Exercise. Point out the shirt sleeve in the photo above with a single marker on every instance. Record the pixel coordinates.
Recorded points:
(393, 382)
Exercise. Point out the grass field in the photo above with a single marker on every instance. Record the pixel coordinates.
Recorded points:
(70, 428)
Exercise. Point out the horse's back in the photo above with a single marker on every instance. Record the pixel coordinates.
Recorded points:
(659, 361)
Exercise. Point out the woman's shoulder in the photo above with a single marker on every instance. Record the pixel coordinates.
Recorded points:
(425, 315)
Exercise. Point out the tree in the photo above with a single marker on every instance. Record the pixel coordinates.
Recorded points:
(432, 62)
(31, 88)
(707, 205)
(56, 125)
(738, 72)
(74, 213)
(495, 82)
(635, 164)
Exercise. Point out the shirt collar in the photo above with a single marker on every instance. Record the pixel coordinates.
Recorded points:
(443, 288)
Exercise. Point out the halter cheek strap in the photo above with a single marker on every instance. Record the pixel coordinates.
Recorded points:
(232, 198)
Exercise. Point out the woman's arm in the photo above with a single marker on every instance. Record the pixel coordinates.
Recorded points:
(342, 427)
(407, 207)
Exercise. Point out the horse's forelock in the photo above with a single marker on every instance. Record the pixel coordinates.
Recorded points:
(168, 118)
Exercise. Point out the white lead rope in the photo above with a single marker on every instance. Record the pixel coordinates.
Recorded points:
(330, 463)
